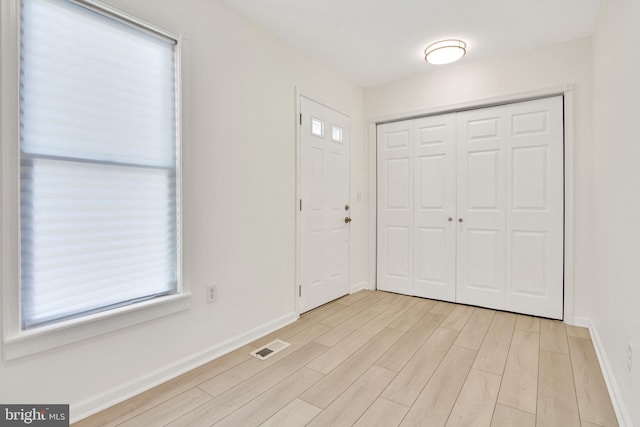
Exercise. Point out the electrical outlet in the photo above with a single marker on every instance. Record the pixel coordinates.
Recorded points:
(212, 293)
(630, 355)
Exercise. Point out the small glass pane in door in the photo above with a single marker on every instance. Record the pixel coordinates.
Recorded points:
(336, 133)
(317, 127)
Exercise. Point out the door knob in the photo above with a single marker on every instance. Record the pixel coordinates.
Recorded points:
(460, 219)
(450, 219)
(347, 220)
(346, 207)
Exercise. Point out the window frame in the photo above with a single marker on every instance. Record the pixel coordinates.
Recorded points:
(18, 342)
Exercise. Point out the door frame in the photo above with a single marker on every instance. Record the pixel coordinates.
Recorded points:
(299, 93)
(567, 92)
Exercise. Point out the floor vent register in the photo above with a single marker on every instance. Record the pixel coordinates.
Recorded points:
(270, 349)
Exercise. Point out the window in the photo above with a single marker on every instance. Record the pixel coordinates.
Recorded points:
(317, 127)
(99, 180)
(336, 133)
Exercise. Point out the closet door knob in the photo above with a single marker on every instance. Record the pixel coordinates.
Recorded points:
(460, 219)
(450, 219)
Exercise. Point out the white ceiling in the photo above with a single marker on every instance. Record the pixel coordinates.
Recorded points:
(378, 41)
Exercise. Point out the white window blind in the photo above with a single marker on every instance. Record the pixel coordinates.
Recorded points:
(99, 210)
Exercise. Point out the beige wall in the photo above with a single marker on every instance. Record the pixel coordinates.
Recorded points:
(239, 208)
(613, 301)
(539, 69)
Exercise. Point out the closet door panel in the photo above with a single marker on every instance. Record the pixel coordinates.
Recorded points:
(395, 207)
(481, 207)
(435, 207)
(535, 203)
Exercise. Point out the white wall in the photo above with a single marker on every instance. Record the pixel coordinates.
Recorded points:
(538, 69)
(613, 301)
(239, 208)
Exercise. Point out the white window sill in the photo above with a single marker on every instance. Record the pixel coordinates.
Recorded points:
(40, 339)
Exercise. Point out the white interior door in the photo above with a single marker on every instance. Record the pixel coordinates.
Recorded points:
(535, 207)
(323, 204)
(395, 208)
(481, 208)
(434, 236)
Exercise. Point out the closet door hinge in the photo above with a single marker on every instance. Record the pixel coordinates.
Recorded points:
(300, 119)
(299, 290)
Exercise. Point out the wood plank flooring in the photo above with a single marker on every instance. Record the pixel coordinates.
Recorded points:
(379, 359)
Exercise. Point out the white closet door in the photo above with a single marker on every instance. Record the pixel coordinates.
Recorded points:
(395, 208)
(481, 208)
(434, 233)
(534, 168)
(498, 173)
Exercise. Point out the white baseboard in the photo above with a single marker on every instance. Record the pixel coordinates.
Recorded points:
(360, 286)
(624, 419)
(139, 385)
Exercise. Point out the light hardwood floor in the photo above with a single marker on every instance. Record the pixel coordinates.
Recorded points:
(380, 359)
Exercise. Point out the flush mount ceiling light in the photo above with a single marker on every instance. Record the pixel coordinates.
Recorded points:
(445, 52)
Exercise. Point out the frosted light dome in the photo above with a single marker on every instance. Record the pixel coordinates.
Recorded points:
(445, 52)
